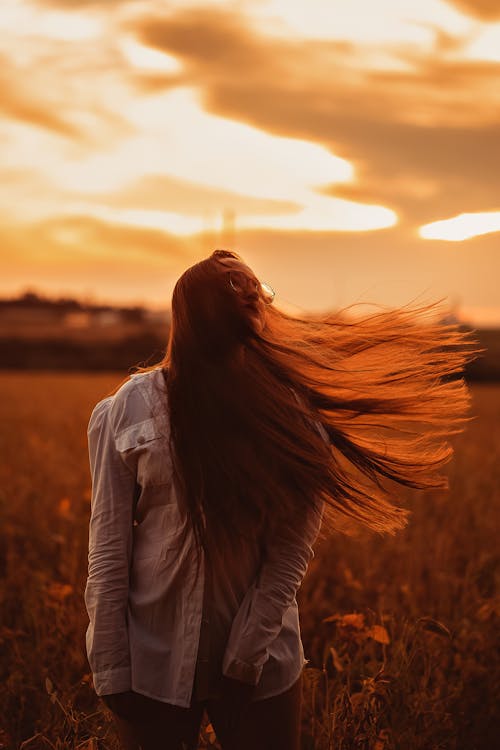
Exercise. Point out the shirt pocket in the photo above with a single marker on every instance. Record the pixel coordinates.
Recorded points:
(145, 449)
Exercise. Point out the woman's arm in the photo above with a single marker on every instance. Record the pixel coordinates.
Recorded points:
(259, 618)
(110, 547)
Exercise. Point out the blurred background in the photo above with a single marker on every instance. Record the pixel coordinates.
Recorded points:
(349, 151)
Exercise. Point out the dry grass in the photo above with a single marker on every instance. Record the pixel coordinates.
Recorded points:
(401, 632)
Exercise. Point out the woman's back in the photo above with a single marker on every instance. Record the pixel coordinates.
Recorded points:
(150, 554)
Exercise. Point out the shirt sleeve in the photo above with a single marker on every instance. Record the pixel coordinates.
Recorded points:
(260, 615)
(110, 547)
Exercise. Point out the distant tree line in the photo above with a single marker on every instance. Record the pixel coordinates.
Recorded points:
(142, 343)
(72, 355)
(36, 301)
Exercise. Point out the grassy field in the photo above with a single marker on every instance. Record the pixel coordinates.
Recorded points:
(401, 632)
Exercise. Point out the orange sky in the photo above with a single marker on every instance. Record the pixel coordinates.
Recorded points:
(353, 145)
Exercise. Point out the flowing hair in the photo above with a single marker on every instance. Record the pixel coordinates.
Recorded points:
(267, 421)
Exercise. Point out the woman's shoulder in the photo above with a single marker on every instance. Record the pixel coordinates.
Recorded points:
(98, 414)
(136, 400)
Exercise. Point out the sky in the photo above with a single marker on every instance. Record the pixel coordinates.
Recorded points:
(348, 150)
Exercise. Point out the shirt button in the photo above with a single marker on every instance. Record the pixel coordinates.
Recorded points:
(141, 439)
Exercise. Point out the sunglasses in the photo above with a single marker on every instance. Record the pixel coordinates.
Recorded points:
(241, 284)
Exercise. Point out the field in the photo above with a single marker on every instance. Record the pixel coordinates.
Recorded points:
(401, 632)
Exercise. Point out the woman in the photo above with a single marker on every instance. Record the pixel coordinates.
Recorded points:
(212, 473)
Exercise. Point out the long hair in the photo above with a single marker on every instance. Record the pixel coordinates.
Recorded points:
(267, 421)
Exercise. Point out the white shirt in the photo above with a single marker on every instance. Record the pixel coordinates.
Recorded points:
(144, 600)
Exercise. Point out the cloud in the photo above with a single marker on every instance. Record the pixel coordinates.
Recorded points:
(463, 226)
(55, 79)
(21, 103)
(75, 238)
(486, 10)
(74, 253)
(79, 5)
(423, 139)
(161, 192)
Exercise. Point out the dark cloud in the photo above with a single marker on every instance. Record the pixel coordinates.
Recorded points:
(423, 140)
(152, 82)
(427, 173)
(487, 10)
(214, 39)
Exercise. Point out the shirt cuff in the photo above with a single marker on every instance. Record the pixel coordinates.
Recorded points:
(112, 681)
(240, 670)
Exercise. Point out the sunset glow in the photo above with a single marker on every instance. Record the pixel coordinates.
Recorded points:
(462, 227)
(148, 59)
(369, 130)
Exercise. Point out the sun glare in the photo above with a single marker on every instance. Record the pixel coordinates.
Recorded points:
(178, 138)
(22, 20)
(485, 45)
(462, 227)
(386, 21)
(147, 58)
(68, 27)
(322, 214)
